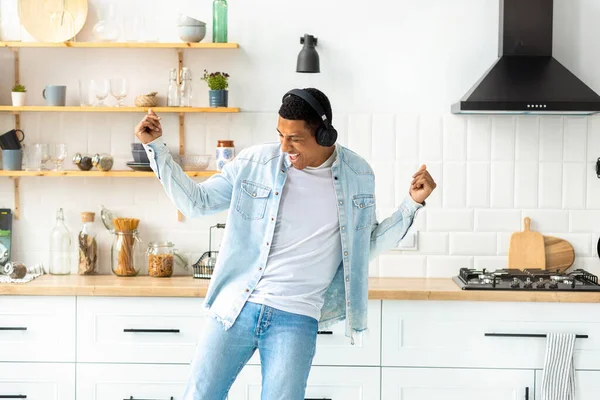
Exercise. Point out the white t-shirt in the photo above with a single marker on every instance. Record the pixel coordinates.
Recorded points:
(306, 249)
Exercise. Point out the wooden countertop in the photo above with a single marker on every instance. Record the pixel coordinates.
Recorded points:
(186, 286)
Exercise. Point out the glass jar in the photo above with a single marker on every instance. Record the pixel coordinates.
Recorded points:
(124, 253)
(161, 257)
(107, 28)
(88, 247)
(60, 247)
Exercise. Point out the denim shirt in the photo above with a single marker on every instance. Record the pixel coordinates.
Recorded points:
(250, 186)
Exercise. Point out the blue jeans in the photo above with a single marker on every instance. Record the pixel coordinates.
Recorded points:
(286, 343)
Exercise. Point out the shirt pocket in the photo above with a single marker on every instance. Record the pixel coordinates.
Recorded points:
(363, 210)
(252, 200)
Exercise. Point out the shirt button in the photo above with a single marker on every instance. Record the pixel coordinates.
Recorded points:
(260, 269)
(345, 253)
(347, 279)
(361, 205)
(272, 219)
(276, 193)
(267, 243)
(335, 177)
(348, 303)
(343, 228)
(253, 194)
(341, 202)
(282, 171)
(247, 290)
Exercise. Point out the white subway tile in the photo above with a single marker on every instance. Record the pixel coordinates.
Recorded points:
(583, 221)
(551, 138)
(491, 263)
(242, 130)
(455, 185)
(551, 179)
(575, 139)
(447, 266)
(432, 243)
(407, 137)
(478, 138)
(359, 135)
(503, 138)
(547, 220)
(504, 242)
(527, 143)
(400, 266)
(374, 268)
(266, 124)
(341, 125)
(467, 244)
(430, 137)
(449, 220)
(526, 184)
(593, 138)
(592, 188)
(478, 184)
(455, 137)
(98, 133)
(574, 180)
(384, 183)
(590, 264)
(497, 220)
(384, 138)
(73, 127)
(502, 185)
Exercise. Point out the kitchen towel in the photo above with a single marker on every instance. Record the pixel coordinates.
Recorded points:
(558, 382)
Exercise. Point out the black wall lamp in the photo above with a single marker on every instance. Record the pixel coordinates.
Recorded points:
(308, 59)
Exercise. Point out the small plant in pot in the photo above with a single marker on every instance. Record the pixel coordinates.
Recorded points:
(18, 95)
(218, 84)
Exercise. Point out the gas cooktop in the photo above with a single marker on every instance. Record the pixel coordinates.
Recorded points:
(528, 279)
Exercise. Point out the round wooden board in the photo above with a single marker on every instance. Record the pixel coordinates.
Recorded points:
(37, 18)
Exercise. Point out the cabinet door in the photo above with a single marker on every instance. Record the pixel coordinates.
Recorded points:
(456, 384)
(327, 383)
(37, 328)
(37, 381)
(587, 385)
(138, 329)
(123, 381)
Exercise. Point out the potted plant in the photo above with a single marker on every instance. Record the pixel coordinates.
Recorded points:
(218, 84)
(18, 95)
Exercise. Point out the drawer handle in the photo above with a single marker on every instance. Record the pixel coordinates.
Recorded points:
(151, 330)
(323, 333)
(13, 396)
(323, 398)
(528, 335)
(12, 328)
(133, 398)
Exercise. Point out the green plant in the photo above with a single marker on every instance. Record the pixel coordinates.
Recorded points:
(216, 80)
(19, 88)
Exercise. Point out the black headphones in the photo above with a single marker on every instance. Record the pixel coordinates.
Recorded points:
(326, 135)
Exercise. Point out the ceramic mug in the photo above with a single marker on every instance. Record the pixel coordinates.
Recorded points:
(10, 140)
(12, 160)
(55, 95)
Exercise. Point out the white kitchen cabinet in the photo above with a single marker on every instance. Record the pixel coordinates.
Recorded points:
(123, 381)
(587, 385)
(37, 381)
(138, 329)
(37, 328)
(453, 333)
(334, 383)
(456, 384)
(334, 348)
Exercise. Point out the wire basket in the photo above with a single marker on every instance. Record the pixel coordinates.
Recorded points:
(204, 267)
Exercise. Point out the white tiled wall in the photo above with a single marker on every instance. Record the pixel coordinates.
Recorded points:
(391, 95)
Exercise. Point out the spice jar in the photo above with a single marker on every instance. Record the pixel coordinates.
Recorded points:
(83, 162)
(161, 258)
(88, 247)
(104, 162)
(225, 153)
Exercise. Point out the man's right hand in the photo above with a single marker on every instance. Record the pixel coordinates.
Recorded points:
(149, 128)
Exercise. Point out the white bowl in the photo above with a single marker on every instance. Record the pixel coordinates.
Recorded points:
(194, 162)
(192, 34)
(184, 20)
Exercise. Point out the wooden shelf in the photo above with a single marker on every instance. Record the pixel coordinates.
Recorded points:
(122, 45)
(92, 174)
(119, 109)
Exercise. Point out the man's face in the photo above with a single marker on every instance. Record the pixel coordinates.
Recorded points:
(298, 141)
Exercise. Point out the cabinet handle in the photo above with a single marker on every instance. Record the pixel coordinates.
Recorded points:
(527, 393)
(528, 335)
(12, 328)
(323, 398)
(323, 333)
(13, 396)
(133, 398)
(151, 330)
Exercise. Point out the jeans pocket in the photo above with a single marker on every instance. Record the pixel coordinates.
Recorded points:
(252, 200)
(363, 210)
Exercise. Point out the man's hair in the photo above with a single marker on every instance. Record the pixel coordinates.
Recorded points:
(295, 108)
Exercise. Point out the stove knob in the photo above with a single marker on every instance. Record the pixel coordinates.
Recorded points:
(528, 284)
(515, 283)
(541, 284)
(553, 285)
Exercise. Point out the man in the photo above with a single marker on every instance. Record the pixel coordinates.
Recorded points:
(294, 257)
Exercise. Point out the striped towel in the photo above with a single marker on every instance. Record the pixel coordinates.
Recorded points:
(558, 382)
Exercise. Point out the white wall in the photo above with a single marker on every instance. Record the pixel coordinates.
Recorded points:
(391, 69)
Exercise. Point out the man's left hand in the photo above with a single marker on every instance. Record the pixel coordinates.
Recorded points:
(422, 185)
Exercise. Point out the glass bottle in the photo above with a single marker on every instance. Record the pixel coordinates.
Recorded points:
(88, 247)
(173, 92)
(60, 247)
(219, 21)
(125, 254)
(185, 99)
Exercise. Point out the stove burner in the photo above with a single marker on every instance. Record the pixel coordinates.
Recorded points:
(527, 279)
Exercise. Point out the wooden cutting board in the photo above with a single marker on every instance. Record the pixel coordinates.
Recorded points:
(526, 249)
(560, 255)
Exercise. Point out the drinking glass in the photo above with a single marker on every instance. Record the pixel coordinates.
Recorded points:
(58, 155)
(45, 155)
(101, 88)
(33, 157)
(118, 88)
(86, 93)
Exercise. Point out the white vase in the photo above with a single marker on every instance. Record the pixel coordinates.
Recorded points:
(18, 98)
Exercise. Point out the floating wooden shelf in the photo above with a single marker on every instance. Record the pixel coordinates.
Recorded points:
(120, 109)
(122, 45)
(92, 174)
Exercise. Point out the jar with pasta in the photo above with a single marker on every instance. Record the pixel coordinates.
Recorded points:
(161, 257)
(124, 250)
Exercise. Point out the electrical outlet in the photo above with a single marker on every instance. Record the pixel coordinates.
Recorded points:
(410, 241)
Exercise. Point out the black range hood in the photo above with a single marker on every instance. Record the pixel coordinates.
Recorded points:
(526, 79)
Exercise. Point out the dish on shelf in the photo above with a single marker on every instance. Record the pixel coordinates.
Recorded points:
(139, 166)
(193, 162)
(55, 21)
